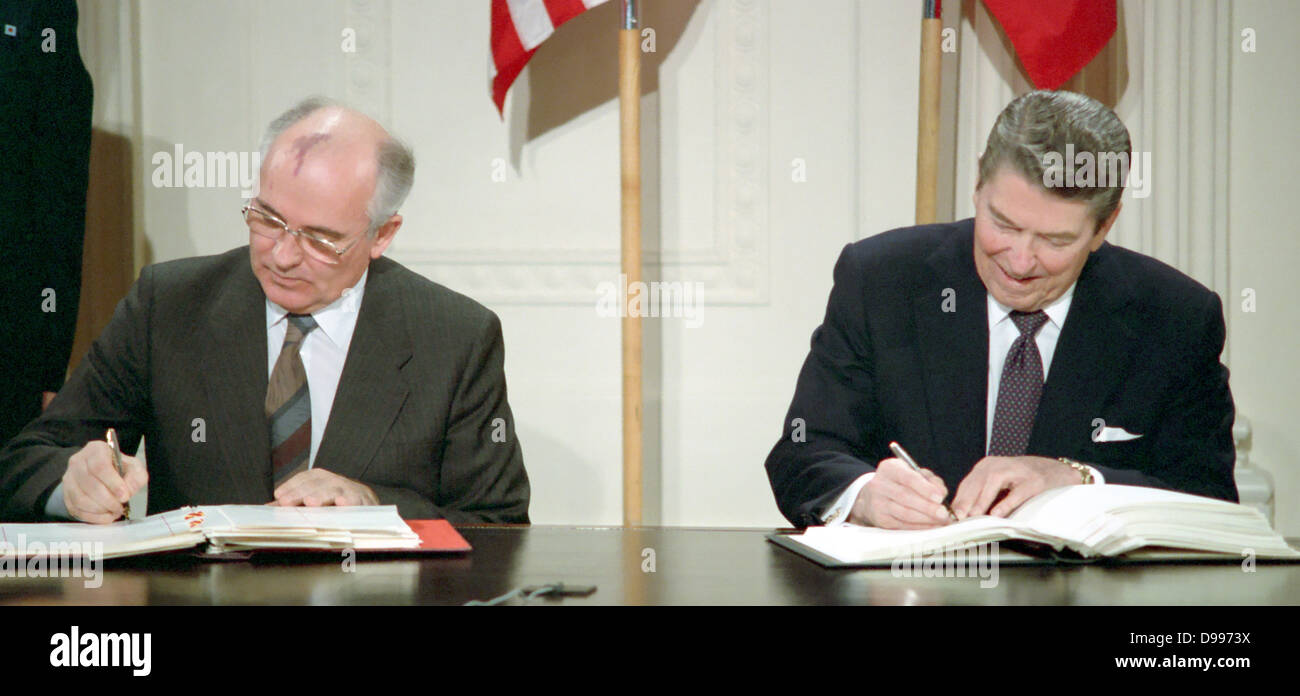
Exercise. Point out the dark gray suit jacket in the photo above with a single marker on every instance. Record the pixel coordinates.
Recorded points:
(183, 363)
(1139, 350)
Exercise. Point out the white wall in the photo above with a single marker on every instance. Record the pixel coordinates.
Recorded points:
(1264, 244)
(744, 89)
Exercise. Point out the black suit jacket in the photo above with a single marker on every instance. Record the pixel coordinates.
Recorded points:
(184, 363)
(1139, 350)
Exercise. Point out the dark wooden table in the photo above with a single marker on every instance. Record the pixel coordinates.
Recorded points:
(647, 566)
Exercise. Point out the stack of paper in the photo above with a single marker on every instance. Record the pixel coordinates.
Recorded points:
(225, 527)
(243, 527)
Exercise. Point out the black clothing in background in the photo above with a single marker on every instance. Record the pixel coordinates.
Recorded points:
(45, 113)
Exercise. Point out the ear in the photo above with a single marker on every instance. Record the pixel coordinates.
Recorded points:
(384, 235)
(1100, 235)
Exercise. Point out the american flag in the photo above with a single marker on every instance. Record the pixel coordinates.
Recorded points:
(518, 28)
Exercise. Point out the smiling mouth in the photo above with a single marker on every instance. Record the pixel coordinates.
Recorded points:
(1014, 280)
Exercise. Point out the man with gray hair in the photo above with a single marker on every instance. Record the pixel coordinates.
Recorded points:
(1011, 353)
(303, 369)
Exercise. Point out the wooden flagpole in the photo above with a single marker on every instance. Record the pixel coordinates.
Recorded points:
(927, 121)
(629, 100)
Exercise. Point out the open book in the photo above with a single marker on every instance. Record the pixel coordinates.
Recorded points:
(227, 528)
(1090, 521)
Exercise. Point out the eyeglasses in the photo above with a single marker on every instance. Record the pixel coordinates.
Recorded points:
(264, 224)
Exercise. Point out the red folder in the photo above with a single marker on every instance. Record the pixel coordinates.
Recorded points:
(436, 536)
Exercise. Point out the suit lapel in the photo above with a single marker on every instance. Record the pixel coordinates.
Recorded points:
(954, 349)
(1095, 344)
(371, 389)
(234, 372)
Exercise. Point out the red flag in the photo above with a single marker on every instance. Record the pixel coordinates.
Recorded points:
(1055, 38)
(518, 27)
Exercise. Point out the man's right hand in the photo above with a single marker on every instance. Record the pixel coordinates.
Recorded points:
(898, 497)
(92, 490)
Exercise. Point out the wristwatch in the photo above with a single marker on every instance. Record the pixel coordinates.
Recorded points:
(1084, 471)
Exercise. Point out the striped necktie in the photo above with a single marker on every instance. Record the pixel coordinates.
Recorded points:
(1019, 390)
(288, 403)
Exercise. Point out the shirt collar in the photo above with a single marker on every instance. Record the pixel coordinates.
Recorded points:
(334, 320)
(1056, 311)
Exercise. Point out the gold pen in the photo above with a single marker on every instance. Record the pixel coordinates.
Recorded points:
(111, 438)
(902, 454)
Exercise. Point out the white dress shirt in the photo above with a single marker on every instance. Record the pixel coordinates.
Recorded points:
(1002, 333)
(323, 352)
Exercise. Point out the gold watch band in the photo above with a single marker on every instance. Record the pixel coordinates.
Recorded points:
(1084, 472)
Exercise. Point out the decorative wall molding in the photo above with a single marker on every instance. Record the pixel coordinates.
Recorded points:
(731, 259)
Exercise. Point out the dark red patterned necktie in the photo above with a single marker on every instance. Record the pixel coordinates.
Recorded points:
(1019, 390)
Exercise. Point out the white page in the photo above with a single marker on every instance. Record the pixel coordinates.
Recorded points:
(852, 543)
(1066, 511)
(367, 518)
(170, 530)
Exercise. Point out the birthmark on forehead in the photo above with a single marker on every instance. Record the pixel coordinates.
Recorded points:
(303, 143)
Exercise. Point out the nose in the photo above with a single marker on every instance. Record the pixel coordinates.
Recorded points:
(287, 252)
(1021, 256)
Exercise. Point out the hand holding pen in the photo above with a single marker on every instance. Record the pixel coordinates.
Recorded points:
(902, 454)
(100, 481)
(902, 495)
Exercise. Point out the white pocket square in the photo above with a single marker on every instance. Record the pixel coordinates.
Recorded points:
(1109, 434)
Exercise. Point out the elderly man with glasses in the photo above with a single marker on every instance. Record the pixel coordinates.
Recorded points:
(304, 369)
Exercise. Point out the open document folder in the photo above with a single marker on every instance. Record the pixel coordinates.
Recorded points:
(1089, 521)
(237, 528)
